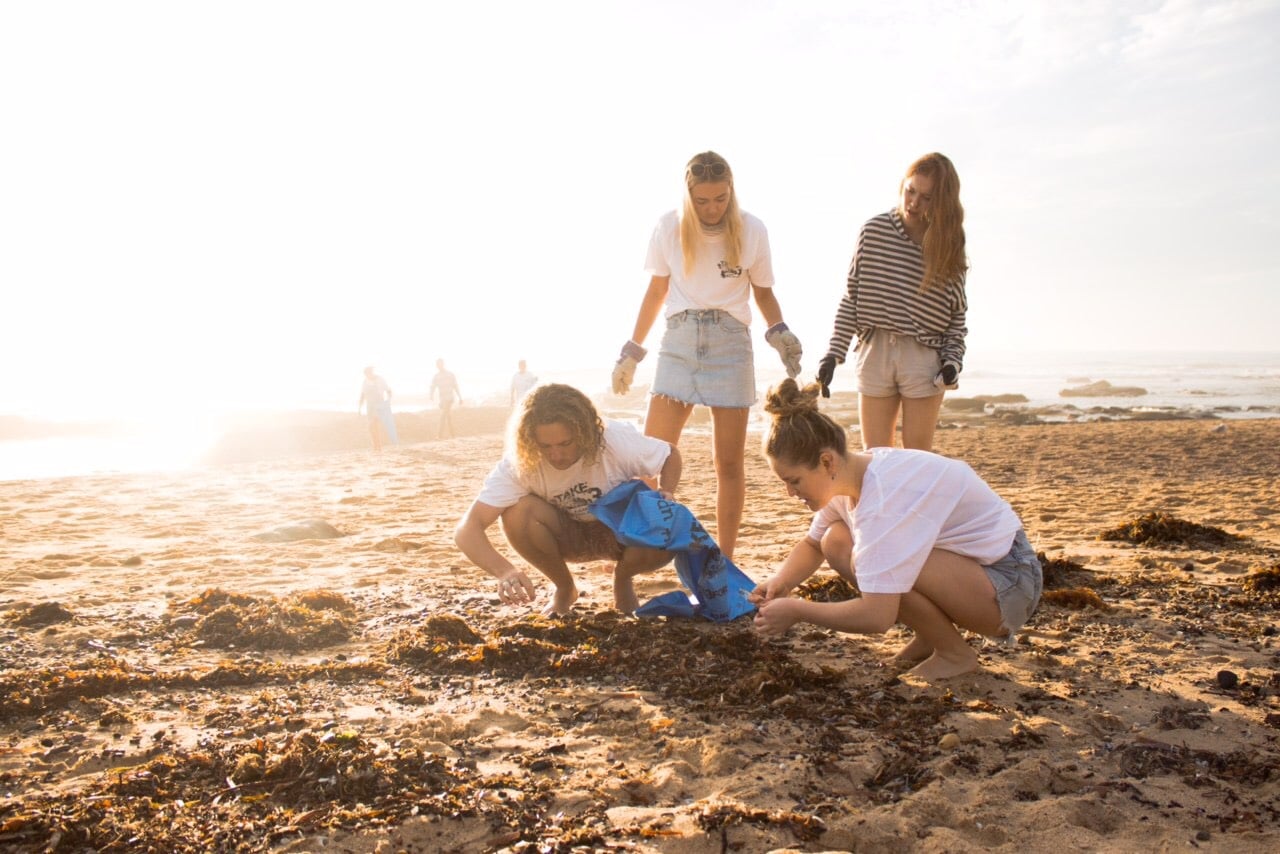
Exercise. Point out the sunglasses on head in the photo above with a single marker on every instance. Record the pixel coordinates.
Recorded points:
(703, 170)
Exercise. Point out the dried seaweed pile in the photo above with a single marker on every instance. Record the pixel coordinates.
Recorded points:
(36, 691)
(704, 669)
(721, 674)
(827, 588)
(1158, 529)
(233, 621)
(41, 614)
(252, 795)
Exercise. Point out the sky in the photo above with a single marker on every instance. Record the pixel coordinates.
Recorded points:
(241, 204)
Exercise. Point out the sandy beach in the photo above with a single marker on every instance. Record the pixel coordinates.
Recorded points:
(285, 652)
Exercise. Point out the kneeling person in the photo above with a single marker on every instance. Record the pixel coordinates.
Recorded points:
(561, 457)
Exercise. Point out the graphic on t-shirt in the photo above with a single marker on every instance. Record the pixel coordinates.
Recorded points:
(576, 498)
(727, 272)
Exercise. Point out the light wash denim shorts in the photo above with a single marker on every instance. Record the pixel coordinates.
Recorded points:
(1019, 581)
(706, 358)
(890, 363)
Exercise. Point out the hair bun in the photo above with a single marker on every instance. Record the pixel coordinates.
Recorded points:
(788, 399)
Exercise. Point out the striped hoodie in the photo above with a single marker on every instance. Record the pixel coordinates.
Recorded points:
(884, 293)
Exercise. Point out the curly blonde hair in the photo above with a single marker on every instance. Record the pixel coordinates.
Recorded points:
(690, 225)
(799, 432)
(943, 245)
(555, 403)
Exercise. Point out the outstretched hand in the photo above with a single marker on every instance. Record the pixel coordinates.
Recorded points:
(516, 589)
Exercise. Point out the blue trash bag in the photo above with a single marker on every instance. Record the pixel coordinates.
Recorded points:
(639, 516)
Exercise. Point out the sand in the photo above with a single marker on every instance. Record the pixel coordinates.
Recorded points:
(368, 692)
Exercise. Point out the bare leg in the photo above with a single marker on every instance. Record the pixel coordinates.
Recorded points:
(728, 452)
(951, 591)
(665, 420)
(837, 548)
(635, 561)
(919, 421)
(375, 435)
(877, 417)
(532, 526)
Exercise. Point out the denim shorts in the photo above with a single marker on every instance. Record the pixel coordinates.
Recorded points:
(890, 364)
(706, 358)
(1019, 581)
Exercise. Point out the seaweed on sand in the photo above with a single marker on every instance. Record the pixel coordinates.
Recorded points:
(1159, 529)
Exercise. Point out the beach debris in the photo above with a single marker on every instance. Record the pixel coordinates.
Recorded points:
(35, 691)
(1263, 580)
(41, 614)
(1146, 757)
(1058, 571)
(950, 741)
(1182, 716)
(1227, 679)
(1102, 388)
(718, 817)
(310, 529)
(450, 628)
(1077, 599)
(303, 621)
(1158, 529)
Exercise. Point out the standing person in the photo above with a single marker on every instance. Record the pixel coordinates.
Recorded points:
(375, 397)
(521, 382)
(926, 541)
(906, 304)
(560, 458)
(444, 388)
(705, 262)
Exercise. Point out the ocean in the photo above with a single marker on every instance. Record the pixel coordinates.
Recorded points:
(1222, 385)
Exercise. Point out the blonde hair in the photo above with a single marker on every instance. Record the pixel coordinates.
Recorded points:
(943, 244)
(799, 432)
(555, 403)
(691, 226)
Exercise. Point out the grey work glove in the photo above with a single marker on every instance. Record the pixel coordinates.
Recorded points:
(625, 369)
(782, 339)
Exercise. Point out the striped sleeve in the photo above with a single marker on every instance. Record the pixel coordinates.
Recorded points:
(847, 312)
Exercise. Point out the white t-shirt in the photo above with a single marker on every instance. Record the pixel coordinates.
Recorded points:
(913, 502)
(627, 454)
(711, 283)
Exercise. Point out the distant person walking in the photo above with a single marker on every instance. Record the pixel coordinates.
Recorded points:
(444, 389)
(706, 262)
(375, 397)
(521, 383)
(905, 301)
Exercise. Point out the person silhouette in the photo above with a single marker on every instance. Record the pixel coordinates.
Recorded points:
(444, 390)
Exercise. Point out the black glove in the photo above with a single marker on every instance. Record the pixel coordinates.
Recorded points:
(948, 373)
(826, 372)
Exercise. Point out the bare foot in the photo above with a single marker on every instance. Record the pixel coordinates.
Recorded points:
(561, 602)
(917, 650)
(937, 666)
(624, 595)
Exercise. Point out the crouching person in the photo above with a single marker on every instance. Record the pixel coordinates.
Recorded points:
(927, 541)
(561, 456)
